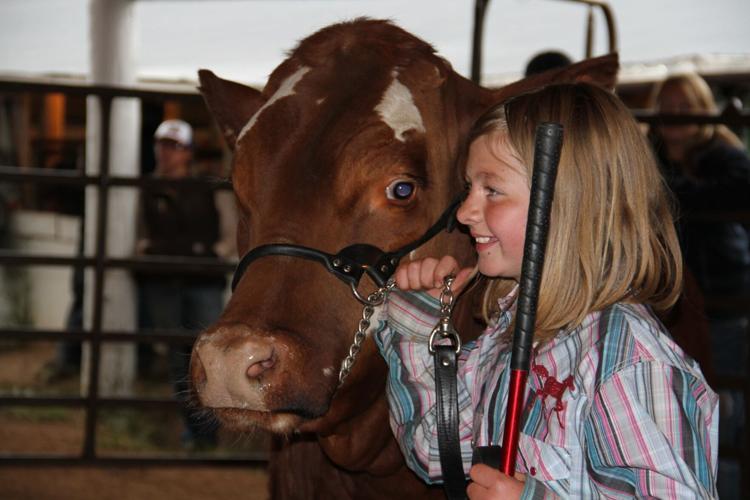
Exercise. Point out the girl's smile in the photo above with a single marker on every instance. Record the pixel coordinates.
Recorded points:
(484, 242)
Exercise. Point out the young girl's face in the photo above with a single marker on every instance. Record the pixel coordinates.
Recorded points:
(496, 206)
(674, 99)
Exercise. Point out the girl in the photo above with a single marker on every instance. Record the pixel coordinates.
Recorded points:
(706, 168)
(631, 414)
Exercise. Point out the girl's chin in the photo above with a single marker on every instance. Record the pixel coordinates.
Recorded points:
(489, 269)
(496, 270)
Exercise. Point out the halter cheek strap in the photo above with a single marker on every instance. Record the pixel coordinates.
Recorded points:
(351, 262)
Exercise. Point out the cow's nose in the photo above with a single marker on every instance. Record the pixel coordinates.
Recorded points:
(227, 371)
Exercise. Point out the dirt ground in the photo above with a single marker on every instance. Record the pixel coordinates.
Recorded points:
(146, 483)
(25, 431)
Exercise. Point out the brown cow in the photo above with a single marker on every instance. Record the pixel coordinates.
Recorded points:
(354, 139)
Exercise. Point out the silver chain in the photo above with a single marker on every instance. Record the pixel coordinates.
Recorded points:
(446, 297)
(373, 300)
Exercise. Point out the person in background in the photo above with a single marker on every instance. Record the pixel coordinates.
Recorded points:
(543, 61)
(182, 221)
(708, 170)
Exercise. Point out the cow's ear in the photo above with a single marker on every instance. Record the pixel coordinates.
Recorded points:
(231, 104)
(599, 70)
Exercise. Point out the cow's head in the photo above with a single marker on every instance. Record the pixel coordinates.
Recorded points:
(354, 139)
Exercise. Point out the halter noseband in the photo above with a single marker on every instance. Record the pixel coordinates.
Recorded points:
(350, 263)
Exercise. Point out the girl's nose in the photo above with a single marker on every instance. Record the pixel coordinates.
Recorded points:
(468, 212)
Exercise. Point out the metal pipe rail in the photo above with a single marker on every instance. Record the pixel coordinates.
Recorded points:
(732, 115)
(92, 402)
(78, 178)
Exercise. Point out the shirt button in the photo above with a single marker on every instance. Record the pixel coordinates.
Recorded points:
(532, 471)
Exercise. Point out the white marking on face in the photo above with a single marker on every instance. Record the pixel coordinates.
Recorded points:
(398, 111)
(285, 89)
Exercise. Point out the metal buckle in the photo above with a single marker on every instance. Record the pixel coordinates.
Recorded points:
(444, 330)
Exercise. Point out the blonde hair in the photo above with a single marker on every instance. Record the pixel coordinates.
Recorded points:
(701, 100)
(612, 235)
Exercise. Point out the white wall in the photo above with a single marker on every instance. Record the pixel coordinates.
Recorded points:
(49, 288)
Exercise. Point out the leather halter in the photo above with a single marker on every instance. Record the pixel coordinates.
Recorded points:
(351, 262)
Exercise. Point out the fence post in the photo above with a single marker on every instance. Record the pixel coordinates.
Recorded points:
(111, 211)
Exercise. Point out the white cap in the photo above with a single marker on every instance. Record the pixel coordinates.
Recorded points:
(176, 130)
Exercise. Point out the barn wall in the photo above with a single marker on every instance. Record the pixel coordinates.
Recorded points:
(45, 290)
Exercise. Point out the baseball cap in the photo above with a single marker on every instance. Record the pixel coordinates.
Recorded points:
(176, 130)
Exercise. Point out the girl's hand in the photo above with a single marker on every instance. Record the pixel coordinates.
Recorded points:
(427, 274)
(489, 483)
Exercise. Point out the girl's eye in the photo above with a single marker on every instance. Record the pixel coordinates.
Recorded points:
(400, 190)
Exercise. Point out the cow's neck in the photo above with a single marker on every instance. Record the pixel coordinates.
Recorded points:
(364, 443)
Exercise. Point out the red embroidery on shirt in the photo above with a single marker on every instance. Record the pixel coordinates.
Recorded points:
(554, 388)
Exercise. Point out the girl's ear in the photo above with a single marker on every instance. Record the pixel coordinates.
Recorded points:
(600, 71)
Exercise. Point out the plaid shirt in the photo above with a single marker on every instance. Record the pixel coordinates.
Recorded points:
(630, 416)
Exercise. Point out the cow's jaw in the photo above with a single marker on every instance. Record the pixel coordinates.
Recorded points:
(240, 420)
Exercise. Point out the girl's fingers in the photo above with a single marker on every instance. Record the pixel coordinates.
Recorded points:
(412, 275)
(414, 269)
(488, 482)
(402, 277)
(484, 475)
(464, 277)
(415, 275)
(445, 266)
(428, 274)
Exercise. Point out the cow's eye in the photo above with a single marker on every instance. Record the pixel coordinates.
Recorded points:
(401, 190)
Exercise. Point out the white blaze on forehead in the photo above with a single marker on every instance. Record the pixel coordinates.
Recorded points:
(285, 89)
(398, 111)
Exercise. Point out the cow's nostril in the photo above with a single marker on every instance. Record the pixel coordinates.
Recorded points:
(198, 372)
(256, 366)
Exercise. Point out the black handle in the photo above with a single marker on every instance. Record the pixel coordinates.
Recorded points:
(546, 158)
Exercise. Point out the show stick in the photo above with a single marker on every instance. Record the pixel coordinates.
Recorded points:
(548, 142)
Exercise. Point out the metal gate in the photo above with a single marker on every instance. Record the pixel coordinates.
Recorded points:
(92, 402)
